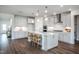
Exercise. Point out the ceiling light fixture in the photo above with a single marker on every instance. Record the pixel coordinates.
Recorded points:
(37, 20)
(46, 18)
(46, 9)
(37, 14)
(32, 21)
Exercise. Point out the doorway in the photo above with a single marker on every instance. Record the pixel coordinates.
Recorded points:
(76, 28)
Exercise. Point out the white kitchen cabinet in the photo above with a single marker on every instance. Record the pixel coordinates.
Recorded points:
(49, 40)
(20, 21)
(19, 34)
(65, 36)
(66, 18)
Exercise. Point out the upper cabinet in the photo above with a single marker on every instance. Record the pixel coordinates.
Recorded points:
(20, 21)
(66, 18)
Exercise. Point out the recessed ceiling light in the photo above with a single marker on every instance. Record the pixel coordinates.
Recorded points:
(37, 20)
(46, 11)
(37, 13)
(46, 18)
(32, 21)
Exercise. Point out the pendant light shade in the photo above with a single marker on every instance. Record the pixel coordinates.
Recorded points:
(46, 9)
(37, 13)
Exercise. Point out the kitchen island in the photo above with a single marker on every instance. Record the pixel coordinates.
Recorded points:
(47, 41)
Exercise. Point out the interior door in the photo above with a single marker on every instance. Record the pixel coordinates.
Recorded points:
(75, 28)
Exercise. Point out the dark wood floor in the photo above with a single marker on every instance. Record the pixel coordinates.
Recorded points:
(64, 48)
(21, 46)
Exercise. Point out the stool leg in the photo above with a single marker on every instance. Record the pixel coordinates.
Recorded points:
(32, 43)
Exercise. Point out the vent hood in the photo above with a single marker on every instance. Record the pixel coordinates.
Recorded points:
(59, 25)
(59, 18)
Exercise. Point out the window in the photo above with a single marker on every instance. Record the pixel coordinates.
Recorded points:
(4, 27)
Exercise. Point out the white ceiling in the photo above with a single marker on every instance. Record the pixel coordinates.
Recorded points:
(30, 10)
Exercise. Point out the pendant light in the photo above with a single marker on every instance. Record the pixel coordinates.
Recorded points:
(37, 13)
(46, 11)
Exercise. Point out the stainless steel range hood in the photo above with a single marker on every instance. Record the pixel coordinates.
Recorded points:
(59, 25)
(59, 18)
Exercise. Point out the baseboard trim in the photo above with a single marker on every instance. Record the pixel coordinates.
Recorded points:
(66, 42)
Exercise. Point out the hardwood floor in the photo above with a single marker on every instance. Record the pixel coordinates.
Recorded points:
(64, 48)
(21, 46)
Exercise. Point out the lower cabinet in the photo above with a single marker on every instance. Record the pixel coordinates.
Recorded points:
(49, 40)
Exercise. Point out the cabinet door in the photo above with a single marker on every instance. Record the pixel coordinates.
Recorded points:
(67, 37)
(68, 20)
(20, 21)
(61, 36)
(44, 42)
(63, 18)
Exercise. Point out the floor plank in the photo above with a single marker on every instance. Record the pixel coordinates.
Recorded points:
(21, 46)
